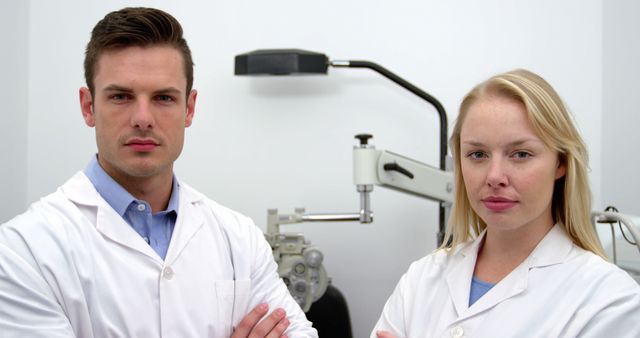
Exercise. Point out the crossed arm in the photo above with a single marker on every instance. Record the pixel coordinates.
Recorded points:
(272, 326)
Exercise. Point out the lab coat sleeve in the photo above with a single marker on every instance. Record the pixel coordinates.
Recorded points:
(28, 307)
(266, 285)
(392, 318)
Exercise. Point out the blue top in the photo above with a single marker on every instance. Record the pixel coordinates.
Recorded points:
(155, 229)
(478, 289)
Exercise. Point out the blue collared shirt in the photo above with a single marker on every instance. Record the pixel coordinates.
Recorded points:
(155, 229)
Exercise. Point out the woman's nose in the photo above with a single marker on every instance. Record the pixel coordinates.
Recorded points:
(497, 174)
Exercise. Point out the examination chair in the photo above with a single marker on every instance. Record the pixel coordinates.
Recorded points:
(330, 315)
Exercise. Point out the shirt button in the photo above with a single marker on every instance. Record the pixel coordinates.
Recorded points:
(168, 273)
(457, 332)
(141, 207)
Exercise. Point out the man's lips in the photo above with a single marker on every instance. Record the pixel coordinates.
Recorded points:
(495, 203)
(141, 145)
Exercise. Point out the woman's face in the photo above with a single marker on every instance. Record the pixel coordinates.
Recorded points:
(508, 172)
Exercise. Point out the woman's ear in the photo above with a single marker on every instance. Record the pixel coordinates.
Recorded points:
(561, 170)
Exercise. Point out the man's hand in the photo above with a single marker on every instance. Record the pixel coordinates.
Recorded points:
(384, 334)
(273, 326)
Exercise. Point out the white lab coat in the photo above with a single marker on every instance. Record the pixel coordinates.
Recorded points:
(71, 266)
(560, 290)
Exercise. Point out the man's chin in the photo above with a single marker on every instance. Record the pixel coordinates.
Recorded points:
(144, 169)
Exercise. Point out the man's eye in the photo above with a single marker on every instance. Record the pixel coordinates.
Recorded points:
(119, 97)
(164, 98)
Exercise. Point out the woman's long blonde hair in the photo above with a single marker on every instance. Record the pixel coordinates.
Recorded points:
(571, 204)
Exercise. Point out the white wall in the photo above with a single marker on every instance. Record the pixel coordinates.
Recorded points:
(260, 143)
(14, 21)
(621, 106)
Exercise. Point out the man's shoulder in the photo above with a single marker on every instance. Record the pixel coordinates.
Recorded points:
(45, 210)
(225, 216)
(52, 216)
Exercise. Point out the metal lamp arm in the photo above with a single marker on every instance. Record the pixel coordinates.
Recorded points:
(423, 95)
(410, 87)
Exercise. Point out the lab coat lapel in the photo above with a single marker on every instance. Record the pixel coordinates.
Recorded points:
(553, 249)
(114, 227)
(108, 222)
(459, 278)
(459, 283)
(513, 284)
(190, 220)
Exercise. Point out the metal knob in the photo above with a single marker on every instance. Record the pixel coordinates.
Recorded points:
(364, 138)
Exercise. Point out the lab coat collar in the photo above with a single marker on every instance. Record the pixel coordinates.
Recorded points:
(459, 277)
(80, 190)
(189, 221)
(553, 249)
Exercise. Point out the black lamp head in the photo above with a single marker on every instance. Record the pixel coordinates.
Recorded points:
(281, 62)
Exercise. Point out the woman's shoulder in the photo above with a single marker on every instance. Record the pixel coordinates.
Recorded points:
(440, 259)
(598, 277)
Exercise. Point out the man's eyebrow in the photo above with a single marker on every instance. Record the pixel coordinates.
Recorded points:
(116, 88)
(168, 90)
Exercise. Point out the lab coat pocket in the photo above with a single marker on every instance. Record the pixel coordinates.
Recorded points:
(234, 299)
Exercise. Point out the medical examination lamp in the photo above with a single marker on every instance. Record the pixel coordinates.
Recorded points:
(299, 263)
(296, 61)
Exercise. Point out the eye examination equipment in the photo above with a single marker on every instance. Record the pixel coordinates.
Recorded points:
(297, 62)
(300, 264)
(611, 217)
(370, 167)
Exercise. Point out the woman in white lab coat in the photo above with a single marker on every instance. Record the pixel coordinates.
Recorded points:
(523, 259)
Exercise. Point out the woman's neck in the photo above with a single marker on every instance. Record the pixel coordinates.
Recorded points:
(503, 250)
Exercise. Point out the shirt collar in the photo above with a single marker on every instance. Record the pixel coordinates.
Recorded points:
(554, 248)
(115, 195)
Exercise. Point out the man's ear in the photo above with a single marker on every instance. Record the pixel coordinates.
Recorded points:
(191, 107)
(86, 106)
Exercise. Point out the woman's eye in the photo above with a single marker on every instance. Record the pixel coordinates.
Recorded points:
(521, 154)
(476, 155)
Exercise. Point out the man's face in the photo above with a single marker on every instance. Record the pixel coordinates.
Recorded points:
(140, 110)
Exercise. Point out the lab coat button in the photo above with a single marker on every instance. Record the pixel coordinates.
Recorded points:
(167, 273)
(457, 332)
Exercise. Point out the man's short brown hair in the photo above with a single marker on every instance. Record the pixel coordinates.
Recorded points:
(135, 26)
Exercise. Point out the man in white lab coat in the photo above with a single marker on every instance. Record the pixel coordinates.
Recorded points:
(125, 249)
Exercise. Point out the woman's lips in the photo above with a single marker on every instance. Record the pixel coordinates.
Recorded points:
(498, 203)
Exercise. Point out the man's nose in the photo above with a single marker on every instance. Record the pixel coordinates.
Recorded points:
(142, 116)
